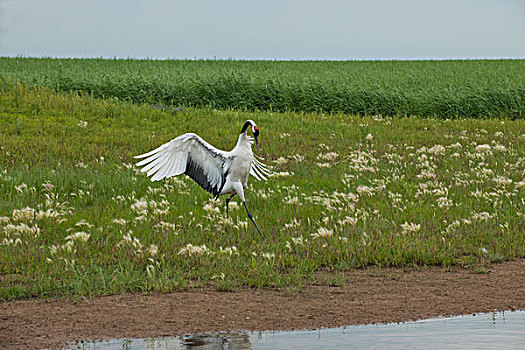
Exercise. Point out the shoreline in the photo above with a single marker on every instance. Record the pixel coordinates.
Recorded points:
(373, 295)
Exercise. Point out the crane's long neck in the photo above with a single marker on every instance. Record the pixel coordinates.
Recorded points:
(243, 137)
(242, 141)
(245, 127)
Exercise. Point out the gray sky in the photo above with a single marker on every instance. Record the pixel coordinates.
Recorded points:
(268, 29)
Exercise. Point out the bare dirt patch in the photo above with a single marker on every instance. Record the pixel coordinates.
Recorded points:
(365, 296)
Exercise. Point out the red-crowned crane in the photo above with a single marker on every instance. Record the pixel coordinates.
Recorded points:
(217, 171)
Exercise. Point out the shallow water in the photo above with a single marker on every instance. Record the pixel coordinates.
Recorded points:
(498, 330)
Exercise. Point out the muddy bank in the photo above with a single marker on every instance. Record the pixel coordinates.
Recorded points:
(365, 296)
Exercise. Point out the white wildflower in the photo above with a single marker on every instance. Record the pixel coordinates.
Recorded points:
(211, 209)
(502, 180)
(190, 250)
(297, 240)
(166, 226)
(364, 190)
(322, 232)
(21, 229)
(280, 174)
(293, 200)
(159, 211)
(26, 214)
(21, 188)
(11, 242)
(139, 218)
(483, 216)
(48, 186)
(348, 221)
(331, 156)
(500, 148)
(520, 184)
(242, 224)
(84, 223)
(48, 214)
(269, 256)
(298, 158)
(66, 247)
(408, 227)
(444, 202)
(121, 222)
(281, 161)
(425, 174)
(487, 171)
(324, 147)
(129, 240)
(437, 150)
(234, 206)
(229, 251)
(140, 206)
(483, 148)
(153, 250)
(78, 236)
(293, 224)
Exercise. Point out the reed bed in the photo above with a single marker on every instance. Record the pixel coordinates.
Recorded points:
(442, 89)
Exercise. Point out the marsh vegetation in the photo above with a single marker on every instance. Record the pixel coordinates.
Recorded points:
(78, 218)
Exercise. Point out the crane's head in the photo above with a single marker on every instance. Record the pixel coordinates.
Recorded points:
(255, 130)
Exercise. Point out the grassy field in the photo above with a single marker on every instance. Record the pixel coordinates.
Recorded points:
(444, 89)
(77, 218)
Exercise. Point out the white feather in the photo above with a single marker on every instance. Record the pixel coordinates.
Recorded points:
(171, 159)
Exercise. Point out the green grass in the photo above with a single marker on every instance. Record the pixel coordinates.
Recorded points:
(444, 89)
(347, 192)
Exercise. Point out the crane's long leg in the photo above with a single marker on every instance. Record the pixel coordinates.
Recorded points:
(251, 218)
(237, 186)
(228, 202)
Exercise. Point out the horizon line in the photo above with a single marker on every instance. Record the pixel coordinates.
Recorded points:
(278, 59)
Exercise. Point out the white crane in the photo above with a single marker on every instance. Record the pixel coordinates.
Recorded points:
(217, 171)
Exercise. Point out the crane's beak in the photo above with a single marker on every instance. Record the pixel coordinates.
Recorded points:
(256, 136)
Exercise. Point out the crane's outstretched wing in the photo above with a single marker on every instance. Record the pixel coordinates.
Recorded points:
(258, 170)
(188, 154)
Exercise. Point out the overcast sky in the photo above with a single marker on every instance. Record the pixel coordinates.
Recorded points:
(268, 29)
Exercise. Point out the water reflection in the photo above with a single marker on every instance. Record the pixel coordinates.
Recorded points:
(220, 341)
(212, 341)
(482, 331)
